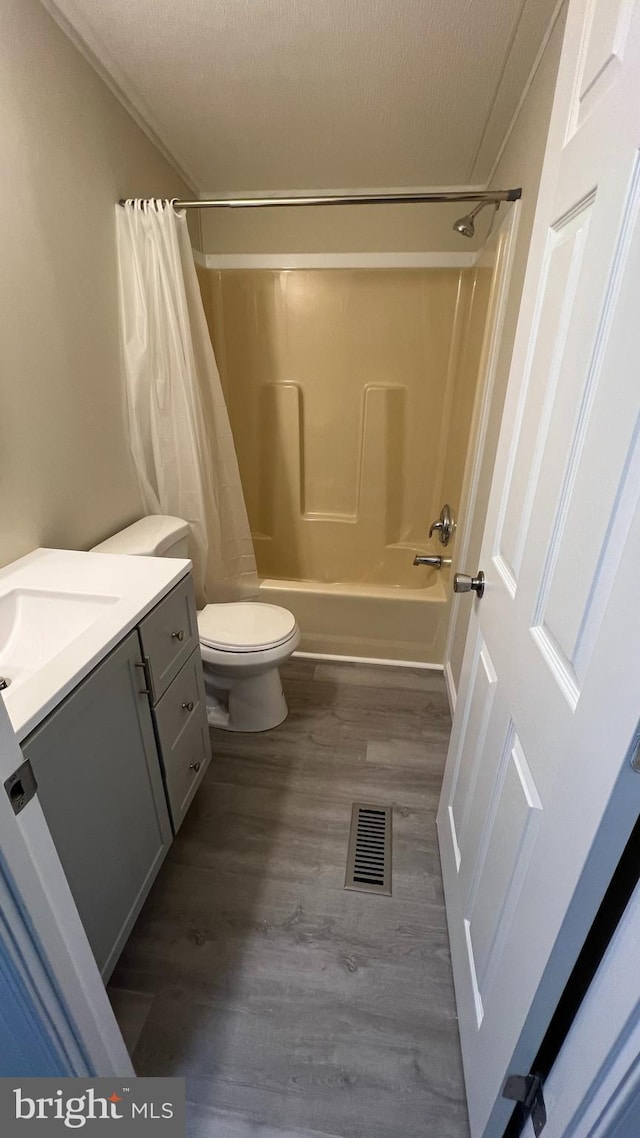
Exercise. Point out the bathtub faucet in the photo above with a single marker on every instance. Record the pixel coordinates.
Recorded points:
(432, 559)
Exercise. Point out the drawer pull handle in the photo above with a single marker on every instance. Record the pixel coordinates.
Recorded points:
(188, 706)
(195, 767)
(178, 635)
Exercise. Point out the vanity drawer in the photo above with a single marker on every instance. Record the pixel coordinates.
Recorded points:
(169, 635)
(182, 731)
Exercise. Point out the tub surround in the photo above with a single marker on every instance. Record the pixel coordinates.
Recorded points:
(123, 589)
(351, 395)
(374, 622)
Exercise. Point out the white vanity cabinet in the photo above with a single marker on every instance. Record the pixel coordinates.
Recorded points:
(117, 764)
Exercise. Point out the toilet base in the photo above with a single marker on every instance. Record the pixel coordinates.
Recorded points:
(256, 703)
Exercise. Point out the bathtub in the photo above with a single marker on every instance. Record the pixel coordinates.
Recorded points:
(377, 622)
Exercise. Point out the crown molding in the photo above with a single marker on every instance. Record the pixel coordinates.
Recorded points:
(84, 40)
(86, 43)
(527, 87)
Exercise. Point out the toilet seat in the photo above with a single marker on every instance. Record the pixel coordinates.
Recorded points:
(245, 626)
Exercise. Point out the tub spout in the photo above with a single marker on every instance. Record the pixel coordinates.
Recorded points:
(431, 559)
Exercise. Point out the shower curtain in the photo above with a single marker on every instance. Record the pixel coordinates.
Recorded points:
(179, 427)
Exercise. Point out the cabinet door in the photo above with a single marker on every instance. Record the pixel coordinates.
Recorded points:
(100, 786)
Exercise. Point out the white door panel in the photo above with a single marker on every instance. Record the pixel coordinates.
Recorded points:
(561, 274)
(537, 800)
(466, 788)
(605, 39)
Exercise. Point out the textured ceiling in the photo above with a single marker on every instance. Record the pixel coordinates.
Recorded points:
(314, 94)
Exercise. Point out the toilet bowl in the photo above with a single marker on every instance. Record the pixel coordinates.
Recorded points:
(243, 643)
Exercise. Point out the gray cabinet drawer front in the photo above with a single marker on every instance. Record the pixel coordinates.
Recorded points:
(183, 736)
(169, 635)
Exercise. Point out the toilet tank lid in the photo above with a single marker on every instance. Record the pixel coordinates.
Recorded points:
(149, 537)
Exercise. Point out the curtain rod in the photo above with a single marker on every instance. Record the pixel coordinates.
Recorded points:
(351, 199)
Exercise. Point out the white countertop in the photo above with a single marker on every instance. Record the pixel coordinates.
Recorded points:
(124, 588)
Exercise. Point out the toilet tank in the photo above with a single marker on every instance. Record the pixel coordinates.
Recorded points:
(153, 536)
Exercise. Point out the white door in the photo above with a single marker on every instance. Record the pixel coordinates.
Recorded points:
(593, 1090)
(539, 795)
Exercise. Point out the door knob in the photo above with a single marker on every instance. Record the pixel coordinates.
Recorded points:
(463, 583)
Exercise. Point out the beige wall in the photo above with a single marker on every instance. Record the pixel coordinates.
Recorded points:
(340, 229)
(350, 394)
(522, 163)
(69, 151)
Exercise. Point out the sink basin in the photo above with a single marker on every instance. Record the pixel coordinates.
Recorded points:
(37, 624)
(61, 613)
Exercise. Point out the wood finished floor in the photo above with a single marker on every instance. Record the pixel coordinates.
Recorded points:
(294, 1008)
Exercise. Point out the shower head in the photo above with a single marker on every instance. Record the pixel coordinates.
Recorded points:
(465, 225)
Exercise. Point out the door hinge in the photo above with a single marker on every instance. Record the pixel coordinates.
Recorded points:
(527, 1090)
(21, 786)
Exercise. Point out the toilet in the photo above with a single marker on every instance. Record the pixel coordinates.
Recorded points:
(243, 643)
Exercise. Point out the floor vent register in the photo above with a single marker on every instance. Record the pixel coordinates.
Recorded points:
(369, 853)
